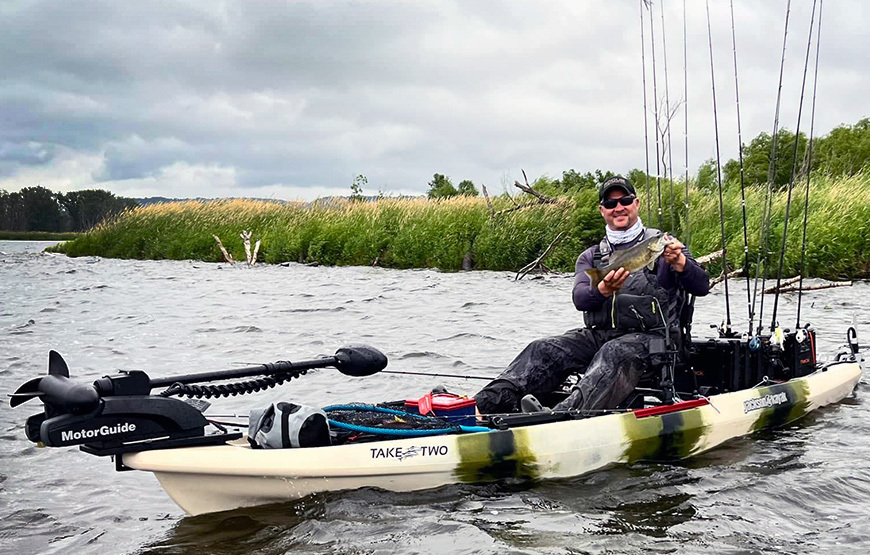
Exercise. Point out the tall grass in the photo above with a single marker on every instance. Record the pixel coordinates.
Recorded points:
(421, 233)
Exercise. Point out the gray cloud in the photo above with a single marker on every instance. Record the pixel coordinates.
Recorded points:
(295, 98)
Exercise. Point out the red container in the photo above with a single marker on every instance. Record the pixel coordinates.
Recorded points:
(458, 410)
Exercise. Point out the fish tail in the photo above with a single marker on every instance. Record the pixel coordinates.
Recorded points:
(594, 275)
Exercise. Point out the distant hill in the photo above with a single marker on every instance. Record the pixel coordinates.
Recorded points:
(163, 200)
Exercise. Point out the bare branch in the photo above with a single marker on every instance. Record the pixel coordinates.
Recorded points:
(708, 257)
(488, 201)
(227, 256)
(537, 265)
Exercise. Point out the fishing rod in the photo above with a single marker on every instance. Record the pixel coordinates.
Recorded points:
(793, 170)
(656, 114)
(749, 306)
(645, 120)
(436, 375)
(809, 169)
(669, 167)
(688, 229)
(771, 173)
(719, 179)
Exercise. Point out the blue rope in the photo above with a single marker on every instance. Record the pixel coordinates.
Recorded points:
(448, 428)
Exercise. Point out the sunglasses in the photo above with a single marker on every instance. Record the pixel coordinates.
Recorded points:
(610, 203)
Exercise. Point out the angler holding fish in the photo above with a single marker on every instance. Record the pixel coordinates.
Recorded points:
(633, 289)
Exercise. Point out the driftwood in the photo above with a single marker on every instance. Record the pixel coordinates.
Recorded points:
(708, 257)
(716, 281)
(538, 265)
(789, 286)
(250, 258)
(227, 256)
(783, 285)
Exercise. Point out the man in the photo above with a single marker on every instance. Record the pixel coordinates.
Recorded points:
(613, 360)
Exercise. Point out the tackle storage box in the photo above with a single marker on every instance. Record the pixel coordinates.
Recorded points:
(457, 409)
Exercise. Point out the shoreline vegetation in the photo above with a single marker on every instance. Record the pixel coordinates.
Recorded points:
(467, 233)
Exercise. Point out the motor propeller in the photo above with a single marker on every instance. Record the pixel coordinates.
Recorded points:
(57, 390)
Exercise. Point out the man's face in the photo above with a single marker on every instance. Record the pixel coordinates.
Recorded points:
(620, 217)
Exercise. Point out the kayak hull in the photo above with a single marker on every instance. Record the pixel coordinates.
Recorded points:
(224, 477)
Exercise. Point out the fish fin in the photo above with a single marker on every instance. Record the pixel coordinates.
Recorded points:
(652, 264)
(594, 275)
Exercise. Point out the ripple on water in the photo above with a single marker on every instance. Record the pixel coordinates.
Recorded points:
(801, 489)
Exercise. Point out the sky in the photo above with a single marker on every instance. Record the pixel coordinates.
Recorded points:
(292, 100)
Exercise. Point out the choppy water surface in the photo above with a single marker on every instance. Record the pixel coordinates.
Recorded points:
(801, 489)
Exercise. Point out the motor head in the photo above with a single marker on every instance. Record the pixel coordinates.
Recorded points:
(359, 360)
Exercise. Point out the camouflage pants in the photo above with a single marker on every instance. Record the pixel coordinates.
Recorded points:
(612, 364)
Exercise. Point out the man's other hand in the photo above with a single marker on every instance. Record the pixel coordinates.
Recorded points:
(613, 281)
(674, 256)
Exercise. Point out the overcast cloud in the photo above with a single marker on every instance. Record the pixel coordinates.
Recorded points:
(293, 99)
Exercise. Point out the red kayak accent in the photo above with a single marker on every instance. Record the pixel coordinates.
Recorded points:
(664, 409)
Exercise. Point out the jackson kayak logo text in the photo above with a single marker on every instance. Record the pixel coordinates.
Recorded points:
(772, 400)
(102, 431)
(403, 453)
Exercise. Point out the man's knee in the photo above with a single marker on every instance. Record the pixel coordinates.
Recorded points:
(498, 396)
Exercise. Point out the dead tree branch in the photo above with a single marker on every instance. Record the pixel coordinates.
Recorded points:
(708, 257)
(789, 286)
(227, 256)
(716, 281)
(537, 265)
(783, 285)
(488, 201)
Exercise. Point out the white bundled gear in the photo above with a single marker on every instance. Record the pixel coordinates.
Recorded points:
(283, 425)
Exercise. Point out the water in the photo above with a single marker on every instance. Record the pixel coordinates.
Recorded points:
(795, 490)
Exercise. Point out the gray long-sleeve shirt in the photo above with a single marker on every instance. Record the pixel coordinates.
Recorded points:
(693, 279)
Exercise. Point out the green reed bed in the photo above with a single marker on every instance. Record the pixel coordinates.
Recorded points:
(447, 233)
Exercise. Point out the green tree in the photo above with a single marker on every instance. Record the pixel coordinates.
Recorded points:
(441, 187)
(356, 188)
(708, 181)
(573, 181)
(639, 179)
(89, 207)
(466, 187)
(756, 159)
(41, 209)
(844, 151)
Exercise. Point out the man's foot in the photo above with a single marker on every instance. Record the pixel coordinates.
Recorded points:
(530, 403)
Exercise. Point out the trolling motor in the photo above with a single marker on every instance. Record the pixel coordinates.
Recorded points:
(118, 414)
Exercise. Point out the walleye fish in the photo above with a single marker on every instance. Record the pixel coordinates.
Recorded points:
(633, 258)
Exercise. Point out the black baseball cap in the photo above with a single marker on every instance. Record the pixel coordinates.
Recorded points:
(614, 182)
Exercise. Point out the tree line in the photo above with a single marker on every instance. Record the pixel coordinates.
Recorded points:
(843, 152)
(40, 209)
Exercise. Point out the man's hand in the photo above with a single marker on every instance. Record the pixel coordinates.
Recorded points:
(612, 282)
(674, 256)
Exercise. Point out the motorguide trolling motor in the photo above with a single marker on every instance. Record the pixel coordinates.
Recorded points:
(118, 414)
